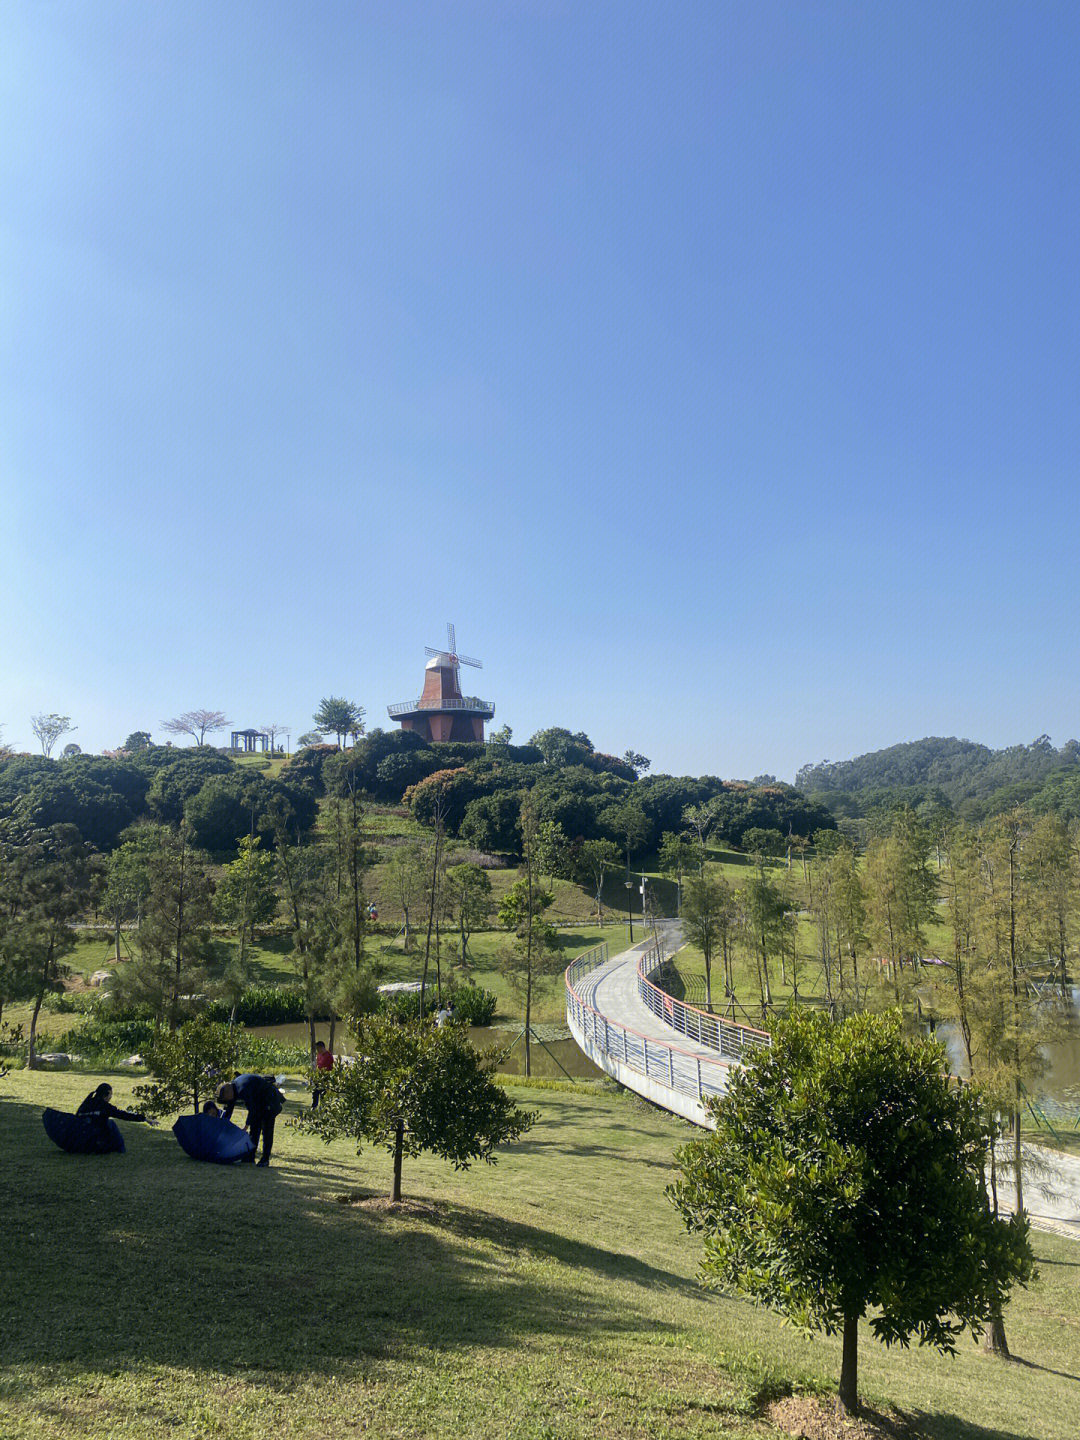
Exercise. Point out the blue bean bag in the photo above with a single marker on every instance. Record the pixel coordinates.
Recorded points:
(82, 1134)
(209, 1137)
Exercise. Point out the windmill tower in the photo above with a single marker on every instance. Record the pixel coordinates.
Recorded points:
(442, 712)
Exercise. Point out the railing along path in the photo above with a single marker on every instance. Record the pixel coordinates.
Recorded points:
(727, 1037)
(669, 1066)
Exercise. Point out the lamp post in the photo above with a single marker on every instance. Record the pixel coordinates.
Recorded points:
(629, 906)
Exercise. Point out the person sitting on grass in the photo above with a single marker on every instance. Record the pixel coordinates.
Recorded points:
(99, 1107)
(263, 1102)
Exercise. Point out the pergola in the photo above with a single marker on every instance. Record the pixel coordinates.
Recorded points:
(250, 740)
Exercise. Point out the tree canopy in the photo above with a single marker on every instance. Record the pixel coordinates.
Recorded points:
(418, 1086)
(845, 1177)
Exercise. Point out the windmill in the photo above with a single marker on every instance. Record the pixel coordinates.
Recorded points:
(442, 712)
(450, 655)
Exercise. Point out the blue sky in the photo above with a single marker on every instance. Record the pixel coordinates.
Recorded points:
(713, 366)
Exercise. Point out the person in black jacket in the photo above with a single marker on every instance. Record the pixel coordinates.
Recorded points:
(263, 1102)
(99, 1107)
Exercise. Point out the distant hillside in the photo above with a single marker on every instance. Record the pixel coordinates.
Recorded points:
(970, 778)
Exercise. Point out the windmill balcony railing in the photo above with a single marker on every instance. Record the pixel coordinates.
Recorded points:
(468, 702)
(727, 1037)
(680, 1070)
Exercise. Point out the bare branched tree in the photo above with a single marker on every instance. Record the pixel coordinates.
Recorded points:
(197, 723)
(274, 731)
(49, 728)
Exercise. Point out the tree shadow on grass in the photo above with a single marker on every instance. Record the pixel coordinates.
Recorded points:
(928, 1425)
(152, 1258)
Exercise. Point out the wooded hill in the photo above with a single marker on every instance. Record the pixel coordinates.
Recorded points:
(970, 779)
(476, 788)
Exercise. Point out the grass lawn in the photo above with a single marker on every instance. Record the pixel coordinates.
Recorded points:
(552, 1295)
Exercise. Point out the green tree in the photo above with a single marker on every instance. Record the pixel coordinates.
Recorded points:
(638, 763)
(340, 718)
(172, 943)
(596, 859)
(845, 1175)
(303, 871)
(127, 882)
(136, 741)
(759, 841)
(187, 1063)
(405, 882)
(245, 898)
(49, 728)
(469, 893)
(46, 886)
(678, 856)
(707, 915)
(420, 1087)
(533, 958)
(765, 926)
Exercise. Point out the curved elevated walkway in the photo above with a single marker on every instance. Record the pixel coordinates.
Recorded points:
(671, 1053)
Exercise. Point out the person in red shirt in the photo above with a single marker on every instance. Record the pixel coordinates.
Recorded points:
(324, 1060)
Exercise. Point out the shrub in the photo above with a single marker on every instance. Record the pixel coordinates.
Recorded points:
(101, 1039)
(474, 1005)
(402, 1004)
(266, 1005)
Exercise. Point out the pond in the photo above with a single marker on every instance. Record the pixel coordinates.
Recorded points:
(554, 1058)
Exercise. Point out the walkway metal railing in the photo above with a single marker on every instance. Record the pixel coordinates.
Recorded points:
(727, 1037)
(668, 1065)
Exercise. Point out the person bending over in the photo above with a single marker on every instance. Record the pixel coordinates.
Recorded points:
(263, 1102)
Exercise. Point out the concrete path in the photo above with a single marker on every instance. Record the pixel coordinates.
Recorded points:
(622, 1035)
(636, 1048)
(1051, 1188)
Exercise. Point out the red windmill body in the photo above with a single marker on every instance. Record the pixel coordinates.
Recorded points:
(442, 712)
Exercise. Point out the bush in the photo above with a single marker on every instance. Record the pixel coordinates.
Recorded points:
(106, 1039)
(265, 1005)
(474, 1005)
(402, 1004)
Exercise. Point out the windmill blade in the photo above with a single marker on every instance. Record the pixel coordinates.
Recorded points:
(468, 660)
(451, 635)
(433, 653)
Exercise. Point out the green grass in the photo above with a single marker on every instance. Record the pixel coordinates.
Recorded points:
(553, 1294)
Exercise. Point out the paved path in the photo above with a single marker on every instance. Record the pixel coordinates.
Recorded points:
(1051, 1188)
(622, 1035)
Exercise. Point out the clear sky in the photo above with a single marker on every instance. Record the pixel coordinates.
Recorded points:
(713, 366)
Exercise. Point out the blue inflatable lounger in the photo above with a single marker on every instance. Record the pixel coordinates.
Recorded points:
(208, 1137)
(82, 1134)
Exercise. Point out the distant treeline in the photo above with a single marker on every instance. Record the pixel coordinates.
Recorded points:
(971, 780)
(476, 790)
(103, 796)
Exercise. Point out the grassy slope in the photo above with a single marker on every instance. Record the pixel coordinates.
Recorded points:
(550, 1295)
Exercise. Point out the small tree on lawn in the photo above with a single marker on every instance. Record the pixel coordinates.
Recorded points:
(246, 897)
(707, 917)
(187, 1063)
(846, 1174)
(418, 1086)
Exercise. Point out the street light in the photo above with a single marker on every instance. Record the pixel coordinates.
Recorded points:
(629, 907)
